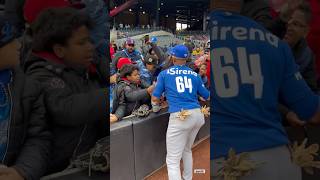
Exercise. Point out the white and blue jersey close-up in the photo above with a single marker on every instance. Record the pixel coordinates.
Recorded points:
(181, 86)
(251, 67)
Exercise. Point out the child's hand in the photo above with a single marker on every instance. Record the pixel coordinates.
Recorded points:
(10, 174)
(113, 118)
(150, 89)
(294, 120)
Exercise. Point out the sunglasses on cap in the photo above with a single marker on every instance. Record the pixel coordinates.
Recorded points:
(131, 45)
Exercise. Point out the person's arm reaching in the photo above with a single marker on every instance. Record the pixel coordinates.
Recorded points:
(202, 90)
(136, 95)
(78, 108)
(295, 93)
(158, 51)
(156, 95)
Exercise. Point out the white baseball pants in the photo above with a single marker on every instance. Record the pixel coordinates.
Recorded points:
(180, 137)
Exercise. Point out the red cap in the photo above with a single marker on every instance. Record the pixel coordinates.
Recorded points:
(123, 61)
(32, 8)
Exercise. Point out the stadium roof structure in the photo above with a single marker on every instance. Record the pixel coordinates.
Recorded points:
(185, 11)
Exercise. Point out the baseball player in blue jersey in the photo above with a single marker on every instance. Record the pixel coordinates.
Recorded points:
(181, 86)
(253, 71)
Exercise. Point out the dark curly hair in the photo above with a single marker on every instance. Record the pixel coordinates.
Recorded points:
(55, 26)
(127, 70)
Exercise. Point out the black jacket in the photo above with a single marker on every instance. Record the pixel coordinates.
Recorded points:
(128, 97)
(29, 138)
(305, 59)
(76, 105)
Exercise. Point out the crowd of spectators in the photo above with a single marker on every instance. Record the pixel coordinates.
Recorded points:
(127, 94)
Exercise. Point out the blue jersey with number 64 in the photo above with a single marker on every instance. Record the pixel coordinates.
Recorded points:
(181, 86)
(252, 72)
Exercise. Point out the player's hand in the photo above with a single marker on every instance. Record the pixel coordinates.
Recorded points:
(164, 104)
(113, 118)
(8, 173)
(294, 120)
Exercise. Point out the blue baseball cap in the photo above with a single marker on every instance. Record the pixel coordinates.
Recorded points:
(7, 32)
(179, 51)
(154, 39)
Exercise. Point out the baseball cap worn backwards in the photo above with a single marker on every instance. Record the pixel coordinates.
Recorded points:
(179, 51)
(151, 59)
(7, 32)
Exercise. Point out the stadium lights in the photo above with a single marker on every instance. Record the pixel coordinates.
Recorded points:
(140, 7)
(161, 4)
(130, 10)
(167, 15)
(143, 12)
(158, 9)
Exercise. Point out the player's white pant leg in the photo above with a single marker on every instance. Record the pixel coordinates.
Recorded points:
(198, 117)
(176, 141)
(178, 134)
(277, 165)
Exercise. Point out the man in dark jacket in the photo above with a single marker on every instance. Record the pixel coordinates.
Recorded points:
(75, 95)
(24, 136)
(297, 30)
(128, 52)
